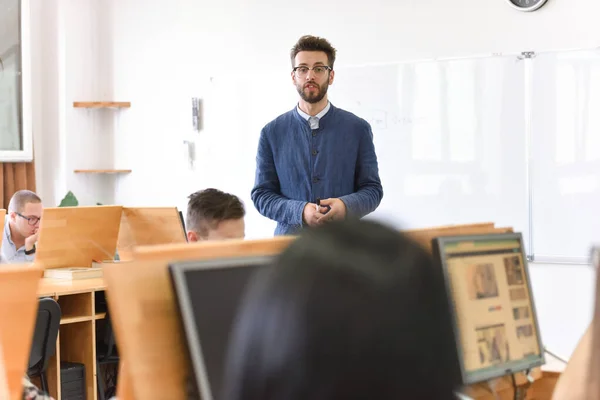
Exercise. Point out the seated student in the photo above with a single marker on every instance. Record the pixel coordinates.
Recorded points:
(214, 215)
(21, 229)
(351, 310)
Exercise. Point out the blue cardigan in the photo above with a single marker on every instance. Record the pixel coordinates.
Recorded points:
(296, 165)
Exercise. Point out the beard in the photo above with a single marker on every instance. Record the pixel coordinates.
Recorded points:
(313, 97)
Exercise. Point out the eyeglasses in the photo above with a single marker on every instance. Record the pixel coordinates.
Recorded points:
(31, 220)
(319, 70)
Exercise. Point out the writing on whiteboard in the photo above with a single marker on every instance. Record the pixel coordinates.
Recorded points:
(382, 120)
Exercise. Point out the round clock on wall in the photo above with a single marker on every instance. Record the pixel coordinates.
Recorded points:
(527, 5)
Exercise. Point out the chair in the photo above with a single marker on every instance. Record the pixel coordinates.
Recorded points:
(106, 353)
(45, 334)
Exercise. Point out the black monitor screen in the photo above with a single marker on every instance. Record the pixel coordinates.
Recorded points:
(208, 294)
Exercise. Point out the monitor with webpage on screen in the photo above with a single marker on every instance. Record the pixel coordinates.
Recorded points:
(495, 320)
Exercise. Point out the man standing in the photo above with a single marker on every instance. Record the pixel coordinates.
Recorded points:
(21, 230)
(315, 153)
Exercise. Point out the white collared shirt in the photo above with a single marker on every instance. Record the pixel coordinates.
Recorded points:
(314, 121)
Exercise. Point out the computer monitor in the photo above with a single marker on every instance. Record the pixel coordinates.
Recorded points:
(495, 321)
(183, 225)
(208, 294)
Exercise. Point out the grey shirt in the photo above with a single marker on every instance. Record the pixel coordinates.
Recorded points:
(10, 253)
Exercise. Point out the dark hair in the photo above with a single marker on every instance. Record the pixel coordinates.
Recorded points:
(208, 207)
(21, 198)
(351, 310)
(313, 43)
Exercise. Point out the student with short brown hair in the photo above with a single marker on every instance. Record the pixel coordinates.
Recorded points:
(214, 215)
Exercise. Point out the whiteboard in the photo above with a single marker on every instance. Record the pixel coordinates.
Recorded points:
(565, 165)
(482, 139)
(449, 137)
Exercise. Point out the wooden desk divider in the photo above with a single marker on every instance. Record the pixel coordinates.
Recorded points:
(18, 310)
(75, 236)
(144, 226)
(145, 317)
(424, 236)
(4, 390)
(124, 388)
(3, 219)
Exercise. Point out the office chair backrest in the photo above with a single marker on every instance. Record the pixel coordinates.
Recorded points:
(109, 339)
(45, 334)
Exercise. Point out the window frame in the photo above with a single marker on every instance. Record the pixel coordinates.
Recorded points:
(26, 152)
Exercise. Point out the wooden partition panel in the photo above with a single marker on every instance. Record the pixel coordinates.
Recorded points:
(18, 310)
(124, 388)
(74, 236)
(145, 317)
(144, 226)
(4, 389)
(2, 218)
(425, 236)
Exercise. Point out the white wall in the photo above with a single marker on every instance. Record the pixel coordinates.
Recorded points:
(158, 54)
(72, 54)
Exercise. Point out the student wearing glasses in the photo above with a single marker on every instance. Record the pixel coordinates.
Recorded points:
(315, 163)
(21, 229)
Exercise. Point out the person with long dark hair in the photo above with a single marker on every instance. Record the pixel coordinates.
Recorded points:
(351, 310)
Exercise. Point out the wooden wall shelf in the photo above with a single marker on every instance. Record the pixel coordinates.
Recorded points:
(101, 104)
(102, 171)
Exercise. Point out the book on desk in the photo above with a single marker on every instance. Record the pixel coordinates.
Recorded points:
(73, 273)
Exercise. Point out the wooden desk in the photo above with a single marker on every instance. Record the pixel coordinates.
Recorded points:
(74, 237)
(77, 337)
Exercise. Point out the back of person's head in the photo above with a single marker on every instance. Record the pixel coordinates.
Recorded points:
(214, 215)
(351, 310)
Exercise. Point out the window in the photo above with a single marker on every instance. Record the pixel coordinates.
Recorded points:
(16, 142)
